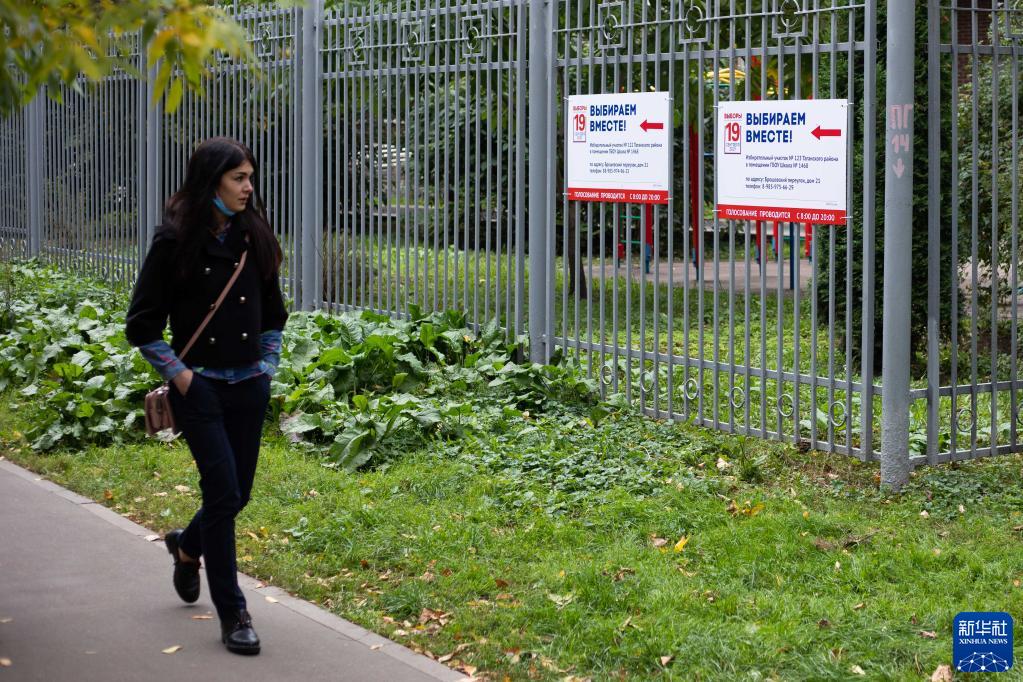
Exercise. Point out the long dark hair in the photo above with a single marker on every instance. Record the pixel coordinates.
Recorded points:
(189, 211)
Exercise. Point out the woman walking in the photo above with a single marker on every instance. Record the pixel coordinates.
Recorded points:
(215, 244)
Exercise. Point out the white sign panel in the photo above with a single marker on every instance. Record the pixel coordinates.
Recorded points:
(619, 148)
(783, 161)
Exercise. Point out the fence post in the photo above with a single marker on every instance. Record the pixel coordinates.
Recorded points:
(311, 163)
(34, 154)
(898, 245)
(539, 181)
(149, 166)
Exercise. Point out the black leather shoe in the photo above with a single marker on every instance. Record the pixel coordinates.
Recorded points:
(237, 634)
(186, 573)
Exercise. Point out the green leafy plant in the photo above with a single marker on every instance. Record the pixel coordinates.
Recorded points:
(353, 387)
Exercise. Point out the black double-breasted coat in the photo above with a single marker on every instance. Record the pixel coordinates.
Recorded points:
(231, 339)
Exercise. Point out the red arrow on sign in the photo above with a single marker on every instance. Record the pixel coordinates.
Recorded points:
(651, 126)
(819, 132)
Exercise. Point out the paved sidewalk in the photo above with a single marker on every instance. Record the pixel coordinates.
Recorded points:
(84, 596)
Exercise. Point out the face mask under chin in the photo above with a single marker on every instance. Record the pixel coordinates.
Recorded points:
(219, 203)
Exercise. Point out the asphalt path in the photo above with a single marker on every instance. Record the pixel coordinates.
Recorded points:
(86, 594)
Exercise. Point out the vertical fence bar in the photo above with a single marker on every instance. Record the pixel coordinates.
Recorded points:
(34, 163)
(310, 293)
(869, 208)
(539, 182)
(153, 133)
(933, 229)
(897, 248)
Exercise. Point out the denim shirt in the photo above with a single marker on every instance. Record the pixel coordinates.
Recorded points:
(169, 365)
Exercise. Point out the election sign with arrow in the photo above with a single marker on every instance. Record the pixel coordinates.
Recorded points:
(782, 161)
(619, 148)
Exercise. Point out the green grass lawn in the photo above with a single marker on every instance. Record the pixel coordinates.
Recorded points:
(550, 548)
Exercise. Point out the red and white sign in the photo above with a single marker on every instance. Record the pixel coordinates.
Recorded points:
(783, 161)
(619, 148)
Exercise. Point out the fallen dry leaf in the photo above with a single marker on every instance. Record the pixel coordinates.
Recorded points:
(943, 673)
(562, 600)
(806, 514)
(108, 494)
(6, 620)
(859, 606)
(151, 538)
(550, 665)
(924, 514)
(203, 617)
(172, 649)
(857, 670)
(823, 623)
(271, 600)
(665, 660)
(621, 573)
(376, 647)
(501, 583)
(182, 488)
(747, 508)
(722, 464)
(681, 544)
(427, 577)
(928, 634)
(139, 499)
(658, 542)
(1015, 583)
(5, 663)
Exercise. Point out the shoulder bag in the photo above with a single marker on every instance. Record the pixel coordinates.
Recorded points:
(157, 406)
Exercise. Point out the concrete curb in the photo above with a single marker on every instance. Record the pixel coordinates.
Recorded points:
(371, 640)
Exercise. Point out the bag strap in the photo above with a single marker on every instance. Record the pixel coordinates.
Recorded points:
(216, 305)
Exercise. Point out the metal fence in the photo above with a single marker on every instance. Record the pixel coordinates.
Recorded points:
(700, 333)
(971, 394)
(411, 157)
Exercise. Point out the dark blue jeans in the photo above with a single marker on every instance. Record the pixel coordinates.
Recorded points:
(222, 424)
